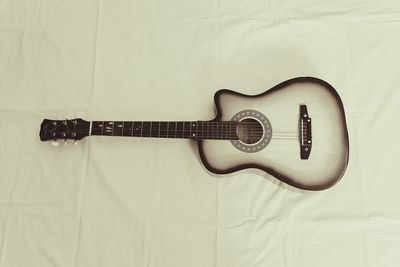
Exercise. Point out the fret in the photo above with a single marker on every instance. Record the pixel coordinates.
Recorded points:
(167, 128)
(108, 128)
(117, 128)
(223, 130)
(205, 136)
(228, 129)
(220, 132)
(187, 133)
(154, 129)
(97, 127)
(229, 132)
(163, 129)
(179, 129)
(232, 132)
(94, 125)
(202, 129)
(146, 129)
(137, 128)
(150, 128)
(128, 128)
(171, 129)
(194, 130)
(176, 127)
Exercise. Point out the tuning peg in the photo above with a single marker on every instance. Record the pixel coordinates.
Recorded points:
(65, 142)
(55, 143)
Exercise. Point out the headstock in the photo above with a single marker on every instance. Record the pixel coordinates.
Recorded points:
(74, 129)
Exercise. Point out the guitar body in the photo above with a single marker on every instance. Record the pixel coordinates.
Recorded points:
(280, 153)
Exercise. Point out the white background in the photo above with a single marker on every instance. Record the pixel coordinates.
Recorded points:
(146, 202)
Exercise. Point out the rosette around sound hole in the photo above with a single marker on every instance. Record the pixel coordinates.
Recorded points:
(253, 129)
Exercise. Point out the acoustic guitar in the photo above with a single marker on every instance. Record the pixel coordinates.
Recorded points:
(295, 131)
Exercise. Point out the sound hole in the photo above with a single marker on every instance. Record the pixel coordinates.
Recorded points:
(249, 131)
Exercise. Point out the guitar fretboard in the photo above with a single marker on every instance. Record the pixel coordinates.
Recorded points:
(224, 130)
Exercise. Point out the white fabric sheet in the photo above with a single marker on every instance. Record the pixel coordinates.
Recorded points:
(146, 202)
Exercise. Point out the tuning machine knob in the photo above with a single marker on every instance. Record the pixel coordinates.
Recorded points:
(55, 143)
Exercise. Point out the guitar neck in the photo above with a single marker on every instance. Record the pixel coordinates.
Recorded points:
(220, 130)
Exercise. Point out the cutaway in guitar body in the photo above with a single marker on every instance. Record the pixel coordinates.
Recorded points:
(282, 157)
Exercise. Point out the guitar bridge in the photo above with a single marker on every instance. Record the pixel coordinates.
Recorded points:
(305, 137)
